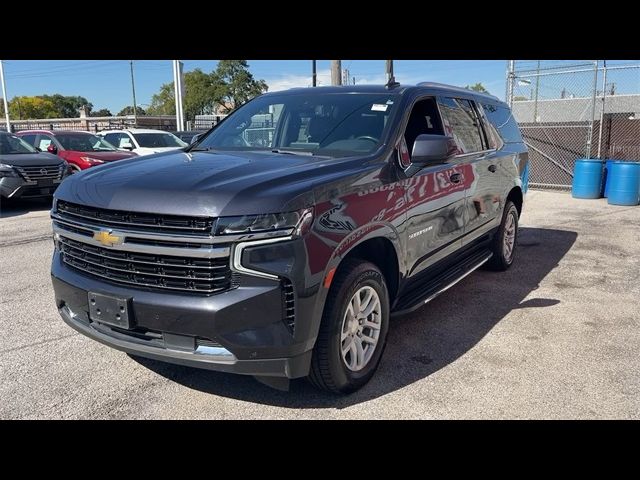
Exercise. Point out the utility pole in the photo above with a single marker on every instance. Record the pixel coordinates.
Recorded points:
(177, 86)
(4, 98)
(336, 72)
(389, 71)
(133, 90)
(314, 74)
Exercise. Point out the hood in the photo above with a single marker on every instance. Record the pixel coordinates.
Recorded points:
(105, 156)
(30, 159)
(204, 183)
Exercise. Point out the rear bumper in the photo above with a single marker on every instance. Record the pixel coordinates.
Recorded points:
(16, 187)
(238, 331)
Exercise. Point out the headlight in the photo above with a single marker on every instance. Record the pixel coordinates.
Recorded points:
(92, 161)
(7, 171)
(299, 222)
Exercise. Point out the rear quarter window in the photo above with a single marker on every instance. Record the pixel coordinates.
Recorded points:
(503, 121)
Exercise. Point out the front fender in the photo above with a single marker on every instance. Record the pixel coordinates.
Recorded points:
(343, 249)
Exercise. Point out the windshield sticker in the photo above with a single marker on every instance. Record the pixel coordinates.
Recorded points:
(377, 107)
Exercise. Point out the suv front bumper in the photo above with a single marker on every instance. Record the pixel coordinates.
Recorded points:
(238, 331)
(16, 187)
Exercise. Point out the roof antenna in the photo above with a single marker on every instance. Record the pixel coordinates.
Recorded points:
(391, 80)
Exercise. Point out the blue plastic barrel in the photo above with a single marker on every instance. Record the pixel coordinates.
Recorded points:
(605, 178)
(624, 183)
(587, 178)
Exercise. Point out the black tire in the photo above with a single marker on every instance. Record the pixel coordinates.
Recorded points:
(501, 261)
(328, 369)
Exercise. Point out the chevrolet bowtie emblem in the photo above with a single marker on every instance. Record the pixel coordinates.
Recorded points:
(106, 238)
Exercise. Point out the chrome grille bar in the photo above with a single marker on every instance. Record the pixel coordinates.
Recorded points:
(203, 252)
(31, 174)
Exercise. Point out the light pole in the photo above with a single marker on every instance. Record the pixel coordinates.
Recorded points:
(177, 86)
(133, 90)
(4, 97)
(314, 73)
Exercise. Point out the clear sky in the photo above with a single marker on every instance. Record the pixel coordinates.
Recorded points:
(107, 83)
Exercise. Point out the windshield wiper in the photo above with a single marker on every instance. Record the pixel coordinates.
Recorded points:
(205, 149)
(293, 152)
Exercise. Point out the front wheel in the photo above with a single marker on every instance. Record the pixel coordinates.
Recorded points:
(354, 329)
(504, 242)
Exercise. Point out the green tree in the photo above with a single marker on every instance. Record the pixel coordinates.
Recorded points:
(478, 87)
(163, 102)
(202, 95)
(68, 106)
(103, 112)
(238, 84)
(519, 98)
(24, 107)
(128, 110)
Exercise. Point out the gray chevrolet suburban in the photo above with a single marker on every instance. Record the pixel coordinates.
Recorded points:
(284, 240)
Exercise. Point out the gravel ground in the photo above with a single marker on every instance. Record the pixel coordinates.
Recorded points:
(557, 336)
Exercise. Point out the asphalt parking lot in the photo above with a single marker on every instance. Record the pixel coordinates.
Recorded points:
(557, 336)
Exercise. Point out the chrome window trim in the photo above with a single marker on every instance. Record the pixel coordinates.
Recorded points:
(236, 263)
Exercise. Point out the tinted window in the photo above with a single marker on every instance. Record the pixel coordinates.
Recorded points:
(84, 142)
(158, 140)
(118, 139)
(503, 121)
(12, 145)
(331, 124)
(461, 122)
(30, 139)
(424, 119)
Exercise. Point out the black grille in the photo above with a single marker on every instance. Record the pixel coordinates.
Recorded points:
(144, 222)
(32, 174)
(198, 275)
(288, 300)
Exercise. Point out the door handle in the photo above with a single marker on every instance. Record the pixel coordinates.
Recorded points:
(456, 177)
(492, 168)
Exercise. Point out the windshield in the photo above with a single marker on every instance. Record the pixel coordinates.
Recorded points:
(328, 124)
(80, 142)
(158, 140)
(12, 145)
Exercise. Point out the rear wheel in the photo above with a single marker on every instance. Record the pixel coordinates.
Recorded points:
(354, 329)
(504, 242)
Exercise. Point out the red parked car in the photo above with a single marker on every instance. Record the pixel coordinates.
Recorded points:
(81, 150)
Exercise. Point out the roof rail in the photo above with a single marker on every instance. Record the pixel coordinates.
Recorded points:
(455, 88)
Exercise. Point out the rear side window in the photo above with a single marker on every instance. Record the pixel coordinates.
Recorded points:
(503, 121)
(461, 122)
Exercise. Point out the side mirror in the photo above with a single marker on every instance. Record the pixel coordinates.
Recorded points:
(127, 146)
(52, 148)
(432, 149)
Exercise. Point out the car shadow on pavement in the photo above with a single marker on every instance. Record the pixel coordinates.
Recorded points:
(14, 208)
(419, 344)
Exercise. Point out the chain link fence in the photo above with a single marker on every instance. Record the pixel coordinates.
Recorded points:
(574, 109)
